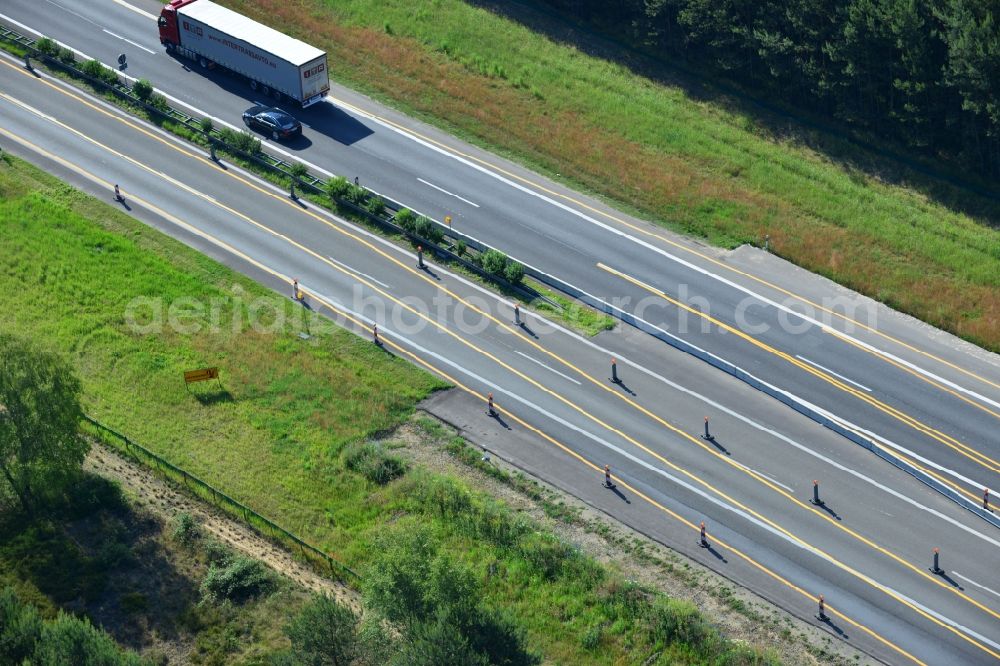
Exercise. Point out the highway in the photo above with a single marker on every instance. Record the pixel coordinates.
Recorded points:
(929, 397)
(868, 554)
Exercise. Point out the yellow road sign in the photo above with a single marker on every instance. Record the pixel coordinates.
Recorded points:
(200, 375)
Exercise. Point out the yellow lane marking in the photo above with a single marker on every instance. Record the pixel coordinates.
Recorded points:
(596, 468)
(472, 346)
(653, 234)
(963, 449)
(844, 338)
(267, 269)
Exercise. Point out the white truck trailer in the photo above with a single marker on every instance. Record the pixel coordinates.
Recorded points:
(274, 63)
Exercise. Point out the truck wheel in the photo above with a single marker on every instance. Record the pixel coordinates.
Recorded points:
(170, 47)
(203, 61)
(254, 85)
(265, 91)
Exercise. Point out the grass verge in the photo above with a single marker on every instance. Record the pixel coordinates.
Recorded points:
(577, 316)
(282, 433)
(925, 247)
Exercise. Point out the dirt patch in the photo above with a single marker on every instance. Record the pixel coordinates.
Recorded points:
(740, 614)
(165, 501)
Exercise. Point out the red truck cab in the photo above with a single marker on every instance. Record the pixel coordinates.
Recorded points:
(170, 34)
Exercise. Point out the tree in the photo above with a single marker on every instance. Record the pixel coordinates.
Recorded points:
(437, 643)
(40, 443)
(69, 640)
(324, 633)
(20, 627)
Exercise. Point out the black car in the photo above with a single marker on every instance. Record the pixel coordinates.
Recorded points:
(272, 121)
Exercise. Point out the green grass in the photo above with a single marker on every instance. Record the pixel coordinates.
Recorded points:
(292, 404)
(277, 436)
(691, 165)
(572, 314)
(579, 317)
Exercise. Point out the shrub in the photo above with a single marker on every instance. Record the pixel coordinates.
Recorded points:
(434, 233)
(143, 89)
(206, 125)
(426, 228)
(324, 632)
(436, 642)
(412, 584)
(159, 102)
(406, 219)
(373, 463)
(494, 261)
(67, 56)
(20, 628)
(298, 170)
(93, 68)
(460, 248)
(376, 206)
(237, 580)
(514, 272)
(337, 188)
(246, 142)
(68, 640)
(185, 530)
(47, 46)
(420, 226)
(228, 136)
(356, 194)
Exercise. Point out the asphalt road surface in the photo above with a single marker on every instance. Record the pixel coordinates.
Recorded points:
(867, 549)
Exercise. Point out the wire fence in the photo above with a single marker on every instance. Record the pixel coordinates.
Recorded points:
(218, 498)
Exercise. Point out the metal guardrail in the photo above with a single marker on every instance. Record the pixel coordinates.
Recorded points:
(318, 186)
(803, 407)
(216, 496)
(306, 181)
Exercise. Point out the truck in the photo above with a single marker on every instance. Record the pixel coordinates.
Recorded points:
(274, 63)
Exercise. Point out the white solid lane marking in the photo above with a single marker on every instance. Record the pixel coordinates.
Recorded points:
(618, 232)
(835, 374)
(676, 480)
(793, 540)
(181, 103)
(535, 360)
(355, 270)
(969, 580)
(590, 343)
(450, 194)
